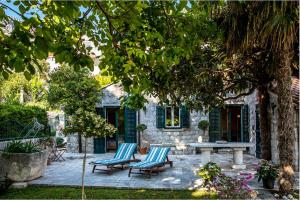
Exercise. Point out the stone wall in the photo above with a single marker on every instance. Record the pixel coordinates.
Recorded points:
(178, 138)
(73, 147)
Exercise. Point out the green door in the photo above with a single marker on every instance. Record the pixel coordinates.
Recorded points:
(130, 125)
(99, 143)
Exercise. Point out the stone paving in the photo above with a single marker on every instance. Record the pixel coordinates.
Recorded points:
(182, 176)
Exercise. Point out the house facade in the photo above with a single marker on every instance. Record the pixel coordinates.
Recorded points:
(171, 126)
(237, 121)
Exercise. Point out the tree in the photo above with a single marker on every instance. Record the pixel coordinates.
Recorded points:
(272, 25)
(70, 90)
(173, 50)
(17, 89)
(77, 92)
(88, 124)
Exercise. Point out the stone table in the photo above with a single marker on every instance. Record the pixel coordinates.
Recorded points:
(238, 148)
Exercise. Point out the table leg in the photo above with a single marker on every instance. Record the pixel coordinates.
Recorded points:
(205, 155)
(238, 158)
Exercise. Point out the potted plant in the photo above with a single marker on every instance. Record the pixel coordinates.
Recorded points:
(267, 172)
(141, 128)
(24, 161)
(203, 125)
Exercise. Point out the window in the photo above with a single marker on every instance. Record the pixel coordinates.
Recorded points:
(172, 117)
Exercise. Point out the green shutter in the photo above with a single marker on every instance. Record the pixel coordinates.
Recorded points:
(99, 143)
(160, 117)
(214, 124)
(130, 125)
(245, 123)
(184, 117)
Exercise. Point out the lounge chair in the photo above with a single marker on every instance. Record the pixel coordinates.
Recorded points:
(157, 157)
(122, 157)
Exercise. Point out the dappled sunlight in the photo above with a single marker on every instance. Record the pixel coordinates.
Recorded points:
(202, 193)
(172, 180)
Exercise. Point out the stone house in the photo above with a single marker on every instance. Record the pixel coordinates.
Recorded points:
(238, 121)
(175, 127)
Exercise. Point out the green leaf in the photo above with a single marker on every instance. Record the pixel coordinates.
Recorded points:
(27, 75)
(22, 9)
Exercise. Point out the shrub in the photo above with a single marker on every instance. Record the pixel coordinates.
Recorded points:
(230, 188)
(203, 125)
(59, 142)
(141, 127)
(18, 146)
(209, 172)
(14, 117)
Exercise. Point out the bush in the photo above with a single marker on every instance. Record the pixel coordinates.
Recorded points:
(141, 127)
(14, 117)
(230, 188)
(18, 146)
(59, 142)
(203, 125)
(209, 172)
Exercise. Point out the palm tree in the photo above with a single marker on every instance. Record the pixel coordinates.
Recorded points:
(271, 25)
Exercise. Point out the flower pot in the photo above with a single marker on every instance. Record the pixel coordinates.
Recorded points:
(20, 167)
(268, 183)
(143, 150)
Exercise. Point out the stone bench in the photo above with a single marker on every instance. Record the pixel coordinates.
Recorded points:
(238, 147)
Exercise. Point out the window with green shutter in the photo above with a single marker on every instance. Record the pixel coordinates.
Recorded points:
(172, 117)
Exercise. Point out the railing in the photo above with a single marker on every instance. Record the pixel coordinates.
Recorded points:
(11, 130)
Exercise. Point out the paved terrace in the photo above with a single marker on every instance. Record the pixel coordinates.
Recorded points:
(182, 176)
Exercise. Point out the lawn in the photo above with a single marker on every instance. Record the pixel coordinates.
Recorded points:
(34, 192)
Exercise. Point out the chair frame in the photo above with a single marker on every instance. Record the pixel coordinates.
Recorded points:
(154, 170)
(111, 167)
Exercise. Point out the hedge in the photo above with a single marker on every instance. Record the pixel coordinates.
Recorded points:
(14, 117)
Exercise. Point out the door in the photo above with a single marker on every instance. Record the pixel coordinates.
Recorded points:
(112, 117)
(99, 143)
(229, 123)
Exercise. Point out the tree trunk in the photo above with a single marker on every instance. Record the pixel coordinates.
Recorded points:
(286, 135)
(264, 121)
(83, 171)
(79, 143)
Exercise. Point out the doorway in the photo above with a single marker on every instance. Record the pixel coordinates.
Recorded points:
(229, 123)
(115, 116)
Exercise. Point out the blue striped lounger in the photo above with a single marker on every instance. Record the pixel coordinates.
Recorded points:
(157, 157)
(122, 157)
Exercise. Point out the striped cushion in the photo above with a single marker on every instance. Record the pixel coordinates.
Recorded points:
(144, 164)
(123, 154)
(157, 154)
(112, 161)
(125, 151)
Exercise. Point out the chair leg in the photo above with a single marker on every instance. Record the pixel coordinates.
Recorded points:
(129, 172)
(94, 169)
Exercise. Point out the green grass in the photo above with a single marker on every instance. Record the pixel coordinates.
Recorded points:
(33, 192)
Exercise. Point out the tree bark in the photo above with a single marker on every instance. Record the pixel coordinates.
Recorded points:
(79, 143)
(83, 196)
(264, 121)
(286, 135)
